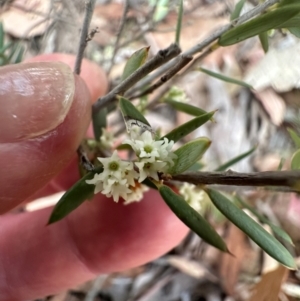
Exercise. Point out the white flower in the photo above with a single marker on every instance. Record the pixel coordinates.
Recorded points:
(193, 195)
(136, 194)
(165, 153)
(114, 167)
(107, 139)
(116, 189)
(149, 169)
(97, 181)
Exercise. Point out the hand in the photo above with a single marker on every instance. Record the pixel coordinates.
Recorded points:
(45, 112)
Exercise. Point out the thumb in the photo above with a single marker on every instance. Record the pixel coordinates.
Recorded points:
(45, 111)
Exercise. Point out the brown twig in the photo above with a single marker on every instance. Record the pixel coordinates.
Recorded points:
(89, 9)
(205, 43)
(268, 178)
(159, 59)
(173, 71)
(84, 38)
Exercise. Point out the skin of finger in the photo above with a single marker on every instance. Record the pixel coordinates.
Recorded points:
(100, 237)
(97, 84)
(94, 77)
(32, 163)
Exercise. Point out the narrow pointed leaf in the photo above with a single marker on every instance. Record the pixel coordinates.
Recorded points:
(186, 108)
(295, 31)
(19, 56)
(137, 59)
(2, 34)
(189, 154)
(225, 78)
(295, 137)
(235, 160)
(257, 233)
(281, 234)
(162, 9)
(188, 127)
(132, 115)
(74, 197)
(192, 218)
(265, 22)
(264, 40)
(99, 122)
(237, 10)
(12, 51)
(295, 163)
(293, 22)
(179, 22)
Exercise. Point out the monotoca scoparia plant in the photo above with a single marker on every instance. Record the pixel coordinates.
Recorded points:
(145, 160)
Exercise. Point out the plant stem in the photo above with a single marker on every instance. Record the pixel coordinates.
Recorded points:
(267, 178)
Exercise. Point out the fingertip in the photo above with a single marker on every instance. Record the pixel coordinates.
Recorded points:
(92, 74)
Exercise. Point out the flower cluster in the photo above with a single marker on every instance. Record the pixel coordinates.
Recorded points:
(123, 179)
(193, 195)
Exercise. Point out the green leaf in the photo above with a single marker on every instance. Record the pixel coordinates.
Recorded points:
(13, 49)
(295, 163)
(136, 60)
(295, 137)
(6, 46)
(264, 40)
(149, 183)
(19, 56)
(287, 2)
(262, 23)
(257, 233)
(295, 31)
(179, 22)
(195, 167)
(235, 160)
(2, 34)
(275, 229)
(293, 22)
(184, 107)
(161, 11)
(188, 127)
(189, 154)
(225, 78)
(237, 10)
(99, 122)
(74, 197)
(132, 114)
(192, 218)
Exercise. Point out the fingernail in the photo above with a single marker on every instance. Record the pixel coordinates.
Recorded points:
(34, 99)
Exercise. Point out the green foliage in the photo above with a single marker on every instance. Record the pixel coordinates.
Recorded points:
(295, 163)
(270, 20)
(11, 52)
(191, 218)
(130, 112)
(179, 22)
(188, 127)
(280, 233)
(264, 40)
(186, 108)
(236, 160)
(99, 122)
(74, 197)
(137, 59)
(225, 78)
(294, 137)
(237, 10)
(162, 9)
(257, 233)
(189, 154)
